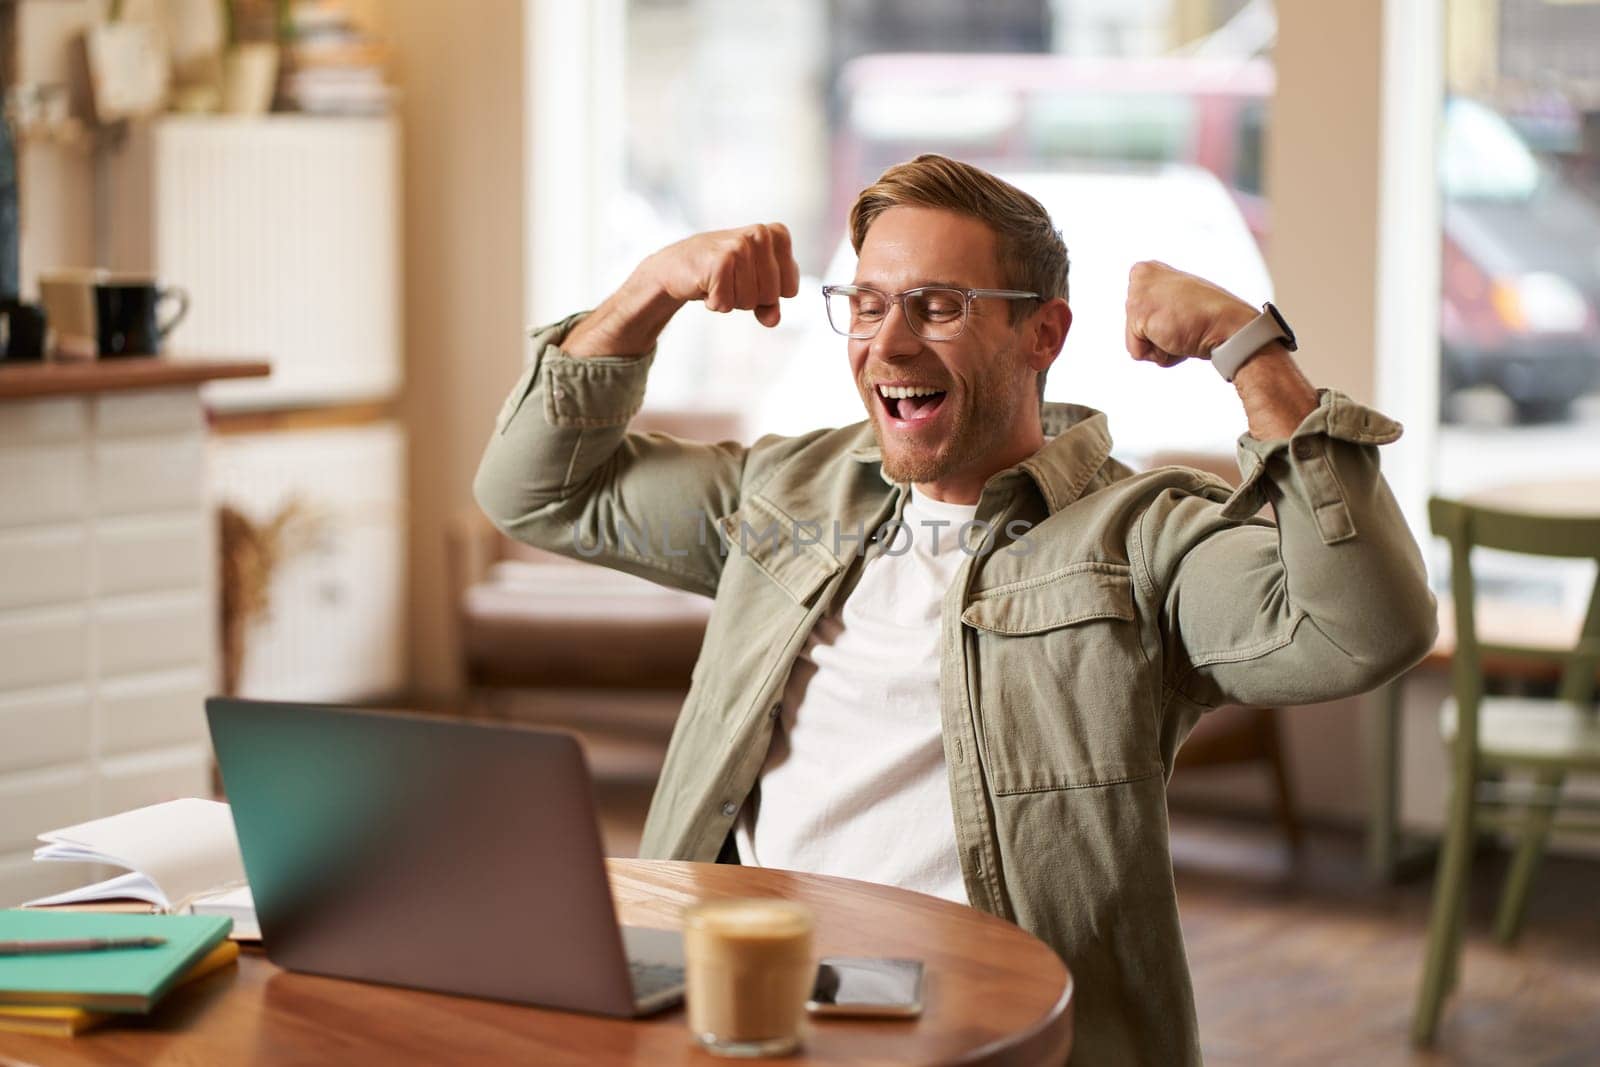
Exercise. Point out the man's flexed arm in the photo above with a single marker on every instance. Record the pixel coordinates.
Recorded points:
(562, 471)
(746, 269)
(1332, 602)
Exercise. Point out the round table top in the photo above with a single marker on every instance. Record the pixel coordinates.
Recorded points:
(993, 994)
(1514, 622)
(1578, 497)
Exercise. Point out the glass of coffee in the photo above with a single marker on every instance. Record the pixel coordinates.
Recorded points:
(749, 969)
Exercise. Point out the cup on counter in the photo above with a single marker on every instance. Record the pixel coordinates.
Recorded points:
(68, 298)
(749, 967)
(126, 319)
(22, 332)
(100, 313)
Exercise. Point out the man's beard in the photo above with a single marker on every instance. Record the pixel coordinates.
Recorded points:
(980, 425)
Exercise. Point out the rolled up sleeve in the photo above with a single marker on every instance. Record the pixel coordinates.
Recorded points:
(562, 472)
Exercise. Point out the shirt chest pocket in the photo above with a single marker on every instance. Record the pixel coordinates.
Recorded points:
(1062, 686)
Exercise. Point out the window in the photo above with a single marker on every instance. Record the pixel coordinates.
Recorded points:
(1519, 176)
(1141, 146)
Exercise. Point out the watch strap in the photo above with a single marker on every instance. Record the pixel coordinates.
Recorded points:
(1243, 346)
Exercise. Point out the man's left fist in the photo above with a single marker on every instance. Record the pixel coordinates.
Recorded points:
(1173, 316)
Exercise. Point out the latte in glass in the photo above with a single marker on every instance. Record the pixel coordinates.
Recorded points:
(749, 969)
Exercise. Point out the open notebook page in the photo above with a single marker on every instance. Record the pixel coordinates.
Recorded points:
(173, 852)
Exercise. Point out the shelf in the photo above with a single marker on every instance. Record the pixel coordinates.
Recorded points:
(19, 381)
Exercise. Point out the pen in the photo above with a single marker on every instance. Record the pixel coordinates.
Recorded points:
(82, 944)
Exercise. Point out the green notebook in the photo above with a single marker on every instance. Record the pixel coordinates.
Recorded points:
(126, 979)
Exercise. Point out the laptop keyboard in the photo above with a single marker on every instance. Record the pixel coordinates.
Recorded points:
(652, 978)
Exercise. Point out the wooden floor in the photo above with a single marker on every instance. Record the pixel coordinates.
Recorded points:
(1310, 963)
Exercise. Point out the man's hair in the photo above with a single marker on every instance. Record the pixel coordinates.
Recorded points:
(1031, 252)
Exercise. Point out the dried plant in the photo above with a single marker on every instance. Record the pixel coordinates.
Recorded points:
(252, 554)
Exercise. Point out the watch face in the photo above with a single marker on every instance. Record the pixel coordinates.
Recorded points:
(1283, 324)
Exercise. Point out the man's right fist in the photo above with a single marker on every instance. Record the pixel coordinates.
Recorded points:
(744, 269)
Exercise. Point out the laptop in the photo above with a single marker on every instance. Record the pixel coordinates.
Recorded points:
(454, 856)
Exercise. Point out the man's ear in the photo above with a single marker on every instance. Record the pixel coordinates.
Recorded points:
(1048, 332)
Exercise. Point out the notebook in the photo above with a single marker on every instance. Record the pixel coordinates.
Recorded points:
(118, 980)
(236, 904)
(62, 1021)
(173, 853)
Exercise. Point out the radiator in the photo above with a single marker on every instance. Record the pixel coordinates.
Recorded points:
(285, 230)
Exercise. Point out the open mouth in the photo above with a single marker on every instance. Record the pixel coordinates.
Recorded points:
(910, 403)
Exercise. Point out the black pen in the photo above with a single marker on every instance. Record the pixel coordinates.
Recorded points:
(81, 944)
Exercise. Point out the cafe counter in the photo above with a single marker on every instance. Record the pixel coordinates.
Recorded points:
(108, 605)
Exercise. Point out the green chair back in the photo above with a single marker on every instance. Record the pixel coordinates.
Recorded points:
(1466, 526)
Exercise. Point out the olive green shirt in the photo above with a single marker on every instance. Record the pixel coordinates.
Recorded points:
(1110, 610)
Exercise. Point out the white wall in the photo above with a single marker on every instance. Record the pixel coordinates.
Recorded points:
(465, 215)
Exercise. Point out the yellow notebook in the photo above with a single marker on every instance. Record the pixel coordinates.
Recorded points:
(65, 1021)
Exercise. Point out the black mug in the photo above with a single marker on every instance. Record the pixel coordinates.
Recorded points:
(125, 316)
(22, 330)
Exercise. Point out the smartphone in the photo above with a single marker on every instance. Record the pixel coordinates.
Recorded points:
(874, 987)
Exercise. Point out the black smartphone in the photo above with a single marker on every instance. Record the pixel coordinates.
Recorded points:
(848, 985)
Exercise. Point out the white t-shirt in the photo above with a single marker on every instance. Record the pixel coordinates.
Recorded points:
(855, 783)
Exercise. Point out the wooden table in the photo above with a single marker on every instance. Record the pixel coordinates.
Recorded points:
(1502, 623)
(993, 994)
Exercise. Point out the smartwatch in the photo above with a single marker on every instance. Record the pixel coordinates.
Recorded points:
(1263, 330)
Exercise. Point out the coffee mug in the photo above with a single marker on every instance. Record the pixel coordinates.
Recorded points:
(125, 309)
(68, 298)
(22, 331)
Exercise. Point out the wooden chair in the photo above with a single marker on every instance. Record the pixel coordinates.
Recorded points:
(1489, 737)
(1235, 735)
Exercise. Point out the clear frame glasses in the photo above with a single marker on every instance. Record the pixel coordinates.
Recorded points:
(934, 312)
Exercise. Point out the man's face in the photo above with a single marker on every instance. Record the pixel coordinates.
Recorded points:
(984, 381)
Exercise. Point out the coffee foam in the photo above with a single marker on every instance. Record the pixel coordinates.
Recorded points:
(752, 918)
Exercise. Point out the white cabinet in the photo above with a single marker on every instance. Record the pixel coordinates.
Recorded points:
(335, 624)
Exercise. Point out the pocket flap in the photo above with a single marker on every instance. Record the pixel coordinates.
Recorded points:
(1073, 594)
(771, 540)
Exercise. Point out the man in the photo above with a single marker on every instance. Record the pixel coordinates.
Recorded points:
(992, 718)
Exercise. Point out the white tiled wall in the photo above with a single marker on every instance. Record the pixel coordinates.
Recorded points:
(107, 605)
(149, 711)
(44, 646)
(44, 727)
(44, 482)
(44, 565)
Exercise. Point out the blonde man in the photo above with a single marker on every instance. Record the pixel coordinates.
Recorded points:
(955, 647)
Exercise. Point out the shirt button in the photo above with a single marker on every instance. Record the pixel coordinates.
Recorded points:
(558, 392)
(729, 808)
(1305, 448)
(777, 709)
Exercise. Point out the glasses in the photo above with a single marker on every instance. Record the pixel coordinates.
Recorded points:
(934, 312)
